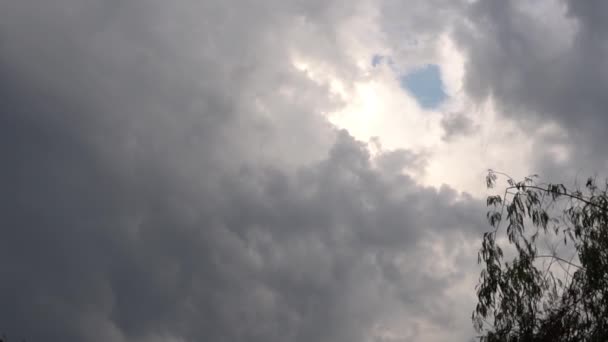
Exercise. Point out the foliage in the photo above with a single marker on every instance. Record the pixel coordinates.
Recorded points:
(549, 280)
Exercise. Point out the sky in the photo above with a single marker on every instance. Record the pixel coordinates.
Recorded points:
(276, 170)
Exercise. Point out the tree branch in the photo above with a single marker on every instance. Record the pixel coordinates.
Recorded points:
(560, 259)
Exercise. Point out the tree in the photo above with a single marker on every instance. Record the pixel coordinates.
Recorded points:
(544, 263)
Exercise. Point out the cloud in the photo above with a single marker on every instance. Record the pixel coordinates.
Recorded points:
(543, 64)
(201, 170)
(456, 124)
(263, 255)
(170, 175)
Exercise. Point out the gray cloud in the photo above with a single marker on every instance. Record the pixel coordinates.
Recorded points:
(455, 124)
(543, 62)
(414, 26)
(168, 176)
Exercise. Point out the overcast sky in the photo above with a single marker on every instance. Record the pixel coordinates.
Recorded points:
(276, 170)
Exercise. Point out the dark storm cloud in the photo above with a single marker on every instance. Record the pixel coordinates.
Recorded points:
(544, 62)
(157, 186)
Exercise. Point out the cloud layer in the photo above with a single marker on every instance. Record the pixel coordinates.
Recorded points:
(171, 170)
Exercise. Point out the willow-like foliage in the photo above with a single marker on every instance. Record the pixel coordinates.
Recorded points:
(544, 263)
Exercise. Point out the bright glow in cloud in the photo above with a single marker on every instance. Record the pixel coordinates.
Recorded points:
(375, 106)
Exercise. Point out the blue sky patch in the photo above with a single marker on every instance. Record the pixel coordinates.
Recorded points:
(376, 60)
(380, 59)
(425, 85)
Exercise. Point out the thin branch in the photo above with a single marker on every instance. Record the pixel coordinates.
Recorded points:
(579, 198)
(559, 259)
